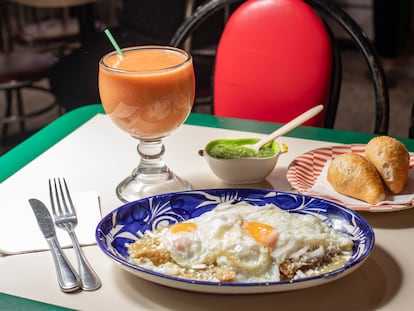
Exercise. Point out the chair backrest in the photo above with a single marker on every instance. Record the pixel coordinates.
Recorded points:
(277, 53)
(272, 64)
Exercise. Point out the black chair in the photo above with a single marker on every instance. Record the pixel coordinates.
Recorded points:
(20, 70)
(327, 11)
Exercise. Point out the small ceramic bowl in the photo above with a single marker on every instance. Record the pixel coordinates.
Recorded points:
(242, 170)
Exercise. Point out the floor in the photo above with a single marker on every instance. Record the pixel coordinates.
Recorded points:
(355, 112)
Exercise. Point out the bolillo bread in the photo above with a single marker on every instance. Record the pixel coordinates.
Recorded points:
(391, 159)
(353, 175)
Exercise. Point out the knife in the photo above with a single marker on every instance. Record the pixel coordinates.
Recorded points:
(68, 279)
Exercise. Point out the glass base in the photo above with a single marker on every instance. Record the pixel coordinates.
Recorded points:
(136, 187)
(151, 177)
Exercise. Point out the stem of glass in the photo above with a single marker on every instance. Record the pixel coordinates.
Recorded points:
(152, 176)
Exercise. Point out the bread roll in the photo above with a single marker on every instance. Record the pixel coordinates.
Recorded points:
(354, 176)
(391, 159)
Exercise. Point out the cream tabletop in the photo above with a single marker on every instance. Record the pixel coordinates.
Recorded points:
(98, 155)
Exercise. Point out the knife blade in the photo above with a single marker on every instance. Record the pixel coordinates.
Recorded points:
(67, 277)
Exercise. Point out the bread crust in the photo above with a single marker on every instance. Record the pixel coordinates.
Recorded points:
(391, 159)
(353, 175)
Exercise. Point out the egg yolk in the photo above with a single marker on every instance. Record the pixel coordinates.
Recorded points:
(262, 233)
(183, 227)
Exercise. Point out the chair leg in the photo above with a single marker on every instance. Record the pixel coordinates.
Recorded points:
(20, 110)
(411, 129)
(8, 116)
(8, 112)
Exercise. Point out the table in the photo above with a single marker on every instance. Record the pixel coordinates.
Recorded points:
(83, 8)
(384, 281)
(54, 3)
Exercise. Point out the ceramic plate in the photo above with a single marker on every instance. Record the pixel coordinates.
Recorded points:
(305, 169)
(123, 226)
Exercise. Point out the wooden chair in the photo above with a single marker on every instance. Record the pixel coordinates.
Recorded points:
(58, 26)
(20, 70)
(299, 63)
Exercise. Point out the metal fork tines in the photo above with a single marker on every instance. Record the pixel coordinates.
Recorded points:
(65, 218)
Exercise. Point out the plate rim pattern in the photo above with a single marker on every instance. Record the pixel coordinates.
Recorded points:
(120, 227)
(305, 169)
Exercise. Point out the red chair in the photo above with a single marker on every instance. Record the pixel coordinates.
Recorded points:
(273, 62)
(277, 58)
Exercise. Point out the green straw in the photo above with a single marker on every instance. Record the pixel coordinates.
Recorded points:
(114, 43)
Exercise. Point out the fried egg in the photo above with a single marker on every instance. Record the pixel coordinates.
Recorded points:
(244, 243)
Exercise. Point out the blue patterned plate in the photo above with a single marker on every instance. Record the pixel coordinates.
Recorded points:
(125, 224)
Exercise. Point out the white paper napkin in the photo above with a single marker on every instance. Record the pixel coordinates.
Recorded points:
(323, 187)
(20, 233)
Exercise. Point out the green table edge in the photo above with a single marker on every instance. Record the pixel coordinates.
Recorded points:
(46, 137)
(14, 303)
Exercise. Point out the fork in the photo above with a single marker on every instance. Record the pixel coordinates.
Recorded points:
(65, 218)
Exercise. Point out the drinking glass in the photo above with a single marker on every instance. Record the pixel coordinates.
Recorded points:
(148, 93)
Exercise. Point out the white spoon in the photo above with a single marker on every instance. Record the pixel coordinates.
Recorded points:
(287, 127)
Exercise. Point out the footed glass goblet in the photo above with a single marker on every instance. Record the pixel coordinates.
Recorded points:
(148, 93)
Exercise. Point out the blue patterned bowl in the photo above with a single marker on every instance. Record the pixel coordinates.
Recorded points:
(127, 223)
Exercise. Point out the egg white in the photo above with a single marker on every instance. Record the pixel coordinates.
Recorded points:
(220, 240)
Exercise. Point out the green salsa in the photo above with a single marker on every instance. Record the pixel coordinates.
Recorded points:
(235, 148)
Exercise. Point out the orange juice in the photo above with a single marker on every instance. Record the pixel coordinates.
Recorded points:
(149, 92)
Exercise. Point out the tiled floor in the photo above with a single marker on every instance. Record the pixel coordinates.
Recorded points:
(355, 112)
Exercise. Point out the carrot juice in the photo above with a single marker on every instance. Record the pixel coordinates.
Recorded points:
(149, 92)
